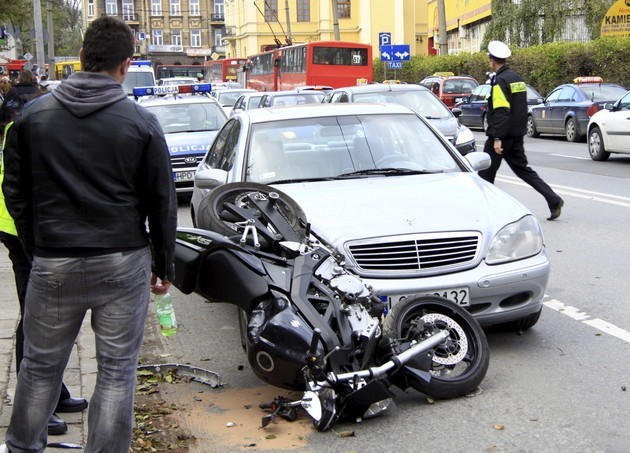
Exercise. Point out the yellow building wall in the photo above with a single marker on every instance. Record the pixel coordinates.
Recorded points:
(458, 13)
(406, 20)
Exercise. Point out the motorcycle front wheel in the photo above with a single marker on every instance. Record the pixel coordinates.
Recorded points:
(230, 204)
(460, 363)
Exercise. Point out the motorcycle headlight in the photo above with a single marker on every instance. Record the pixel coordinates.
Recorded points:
(465, 135)
(516, 241)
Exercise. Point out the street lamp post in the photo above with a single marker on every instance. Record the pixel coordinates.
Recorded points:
(39, 35)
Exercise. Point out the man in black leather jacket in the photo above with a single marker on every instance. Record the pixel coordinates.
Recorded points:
(85, 168)
(507, 124)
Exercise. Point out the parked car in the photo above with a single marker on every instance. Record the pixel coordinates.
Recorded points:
(408, 212)
(246, 101)
(166, 81)
(419, 99)
(568, 108)
(475, 107)
(190, 122)
(609, 130)
(228, 97)
(450, 88)
(290, 97)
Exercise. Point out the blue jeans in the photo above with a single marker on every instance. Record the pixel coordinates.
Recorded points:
(115, 287)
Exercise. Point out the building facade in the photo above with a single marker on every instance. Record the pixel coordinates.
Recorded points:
(253, 25)
(168, 31)
(193, 31)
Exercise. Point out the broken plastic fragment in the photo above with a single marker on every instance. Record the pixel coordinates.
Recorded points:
(196, 374)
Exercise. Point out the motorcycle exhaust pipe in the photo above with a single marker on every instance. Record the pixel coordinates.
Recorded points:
(396, 361)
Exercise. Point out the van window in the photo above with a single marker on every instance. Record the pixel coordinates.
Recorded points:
(137, 79)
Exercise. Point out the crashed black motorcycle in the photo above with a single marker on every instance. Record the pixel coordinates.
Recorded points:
(308, 324)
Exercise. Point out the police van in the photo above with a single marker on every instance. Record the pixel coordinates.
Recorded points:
(140, 74)
(190, 119)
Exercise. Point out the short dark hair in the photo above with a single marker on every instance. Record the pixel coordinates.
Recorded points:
(108, 41)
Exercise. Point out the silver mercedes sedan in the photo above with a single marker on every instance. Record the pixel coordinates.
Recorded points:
(407, 210)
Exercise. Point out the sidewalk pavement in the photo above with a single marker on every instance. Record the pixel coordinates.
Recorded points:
(80, 376)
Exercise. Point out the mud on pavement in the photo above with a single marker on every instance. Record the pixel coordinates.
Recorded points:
(175, 413)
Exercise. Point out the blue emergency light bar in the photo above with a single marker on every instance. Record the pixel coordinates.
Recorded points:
(141, 62)
(172, 89)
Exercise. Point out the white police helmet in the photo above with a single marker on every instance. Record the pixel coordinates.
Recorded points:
(499, 50)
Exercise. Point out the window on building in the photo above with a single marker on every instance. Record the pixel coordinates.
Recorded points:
(176, 37)
(303, 10)
(157, 38)
(195, 38)
(127, 10)
(343, 9)
(90, 8)
(156, 7)
(111, 7)
(194, 8)
(271, 10)
(219, 7)
(218, 38)
(176, 8)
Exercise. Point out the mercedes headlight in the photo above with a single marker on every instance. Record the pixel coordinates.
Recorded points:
(516, 241)
(465, 136)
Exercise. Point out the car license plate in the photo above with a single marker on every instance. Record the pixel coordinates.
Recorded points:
(460, 296)
(180, 176)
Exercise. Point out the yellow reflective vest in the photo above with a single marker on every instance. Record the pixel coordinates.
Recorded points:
(7, 225)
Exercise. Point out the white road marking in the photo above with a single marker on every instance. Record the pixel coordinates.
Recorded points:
(616, 200)
(597, 323)
(570, 157)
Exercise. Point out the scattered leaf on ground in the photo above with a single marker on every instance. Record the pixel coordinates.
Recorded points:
(499, 427)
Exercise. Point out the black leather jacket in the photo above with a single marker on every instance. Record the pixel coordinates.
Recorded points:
(85, 168)
(507, 108)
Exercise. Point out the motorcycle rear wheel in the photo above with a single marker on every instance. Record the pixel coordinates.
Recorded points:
(460, 363)
(214, 217)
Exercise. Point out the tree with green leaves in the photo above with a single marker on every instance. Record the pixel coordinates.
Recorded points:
(17, 16)
(525, 23)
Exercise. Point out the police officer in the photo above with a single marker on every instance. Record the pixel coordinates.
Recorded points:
(507, 124)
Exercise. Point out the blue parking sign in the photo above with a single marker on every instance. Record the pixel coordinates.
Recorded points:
(384, 38)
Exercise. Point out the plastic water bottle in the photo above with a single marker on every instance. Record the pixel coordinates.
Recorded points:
(166, 314)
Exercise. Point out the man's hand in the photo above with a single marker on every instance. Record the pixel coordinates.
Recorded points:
(159, 288)
(498, 146)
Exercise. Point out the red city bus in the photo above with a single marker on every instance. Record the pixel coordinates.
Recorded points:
(178, 70)
(325, 63)
(262, 71)
(223, 70)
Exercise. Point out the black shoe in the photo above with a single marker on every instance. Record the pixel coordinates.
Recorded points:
(56, 426)
(555, 211)
(71, 405)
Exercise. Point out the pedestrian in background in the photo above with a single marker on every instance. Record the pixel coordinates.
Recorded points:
(507, 125)
(85, 168)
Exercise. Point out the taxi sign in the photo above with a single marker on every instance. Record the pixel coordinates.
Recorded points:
(172, 89)
(588, 79)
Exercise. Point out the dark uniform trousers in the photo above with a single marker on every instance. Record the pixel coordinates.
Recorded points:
(514, 155)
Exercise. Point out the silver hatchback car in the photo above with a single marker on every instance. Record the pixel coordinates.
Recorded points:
(408, 211)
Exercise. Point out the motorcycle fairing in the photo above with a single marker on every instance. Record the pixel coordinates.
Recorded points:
(216, 268)
(230, 280)
(278, 339)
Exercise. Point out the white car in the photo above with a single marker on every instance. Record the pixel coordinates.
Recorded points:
(228, 97)
(246, 101)
(408, 211)
(189, 121)
(609, 130)
(167, 81)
